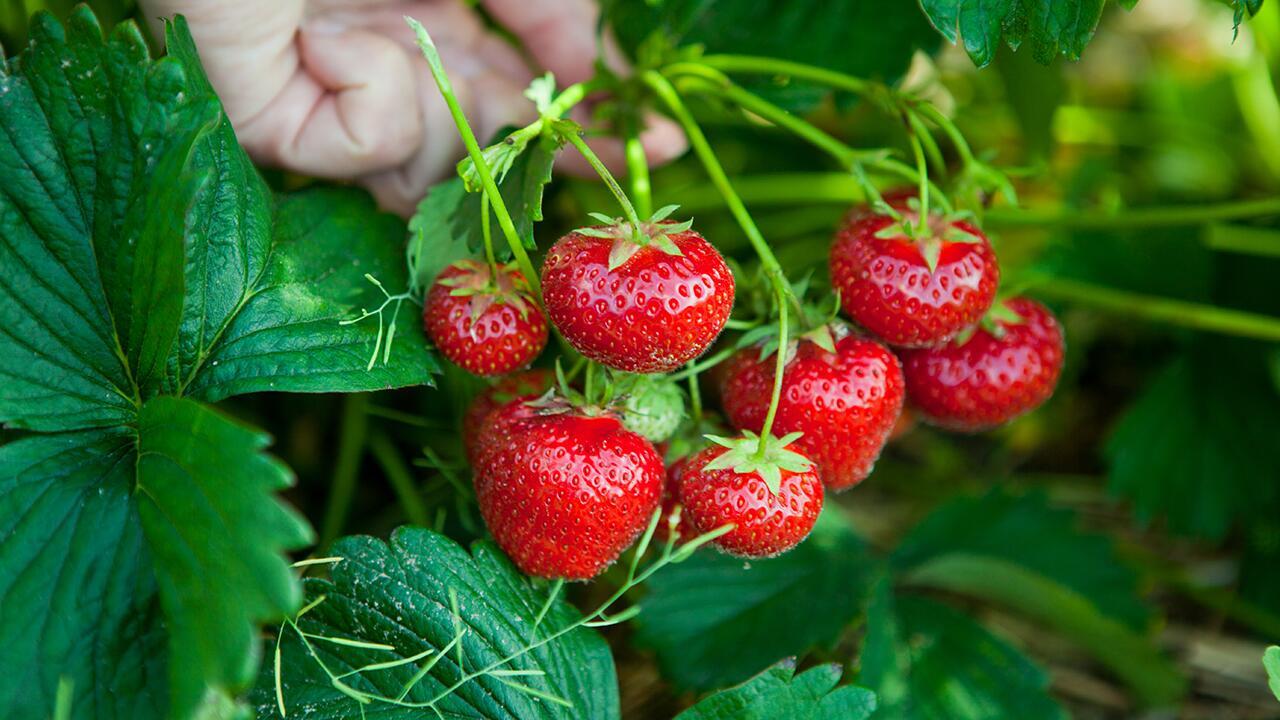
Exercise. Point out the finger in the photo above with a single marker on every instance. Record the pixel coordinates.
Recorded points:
(246, 46)
(352, 110)
(560, 34)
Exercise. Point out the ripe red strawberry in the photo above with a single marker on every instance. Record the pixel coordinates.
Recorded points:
(845, 402)
(913, 292)
(525, 385)
(564, 491)
(484, 324)
(640, 308)
(773, 501)
(1008, 366)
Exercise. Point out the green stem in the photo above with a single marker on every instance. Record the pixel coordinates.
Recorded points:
(922, 167)
(695, 395)
(477, 156)
(747, 64)
(355, 424)
(638, 173)
(589, 382)
(1158, 309)
(697, 368)
(1171, 216)
(698, 141)
(397, 472)
(487, 233)
(780, 365)
(778, 189)
(952, 132)
(593, 160)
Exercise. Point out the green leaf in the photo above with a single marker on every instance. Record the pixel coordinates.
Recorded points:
(76, 582)
(716, 620)
(779, 693)
(1049, 27)
(74, 219)
(446, 227)
(1271, 661)
(1197, 448)
(141, 257)
(288, 335)
(926, 661)
(139, 564)
(1026, 531)
(401, 595)
(217, 537)
(1020, 553)
(860, 37)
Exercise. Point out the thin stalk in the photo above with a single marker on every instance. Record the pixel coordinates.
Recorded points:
(780, 364)
(697, 368)
(698, 141)
(922, 167)
(638, 172)
(477, 156)
(351, 442)
(487, 233)
(397, 472)
(748, 64)
(628, 210)
(1171, 216)
(695, 396)
(1158, 309)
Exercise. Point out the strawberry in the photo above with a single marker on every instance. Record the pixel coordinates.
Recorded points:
(844, 398)
(564, 490)
(484, 324)
(1007, 366)
(643, 307)
(772, 500)
(913, 292)
(525, 385)
(654, 409)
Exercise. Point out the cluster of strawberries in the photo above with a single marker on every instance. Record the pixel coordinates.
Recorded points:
(565, 487)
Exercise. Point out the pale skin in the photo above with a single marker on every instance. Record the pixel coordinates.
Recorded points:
(338, 89)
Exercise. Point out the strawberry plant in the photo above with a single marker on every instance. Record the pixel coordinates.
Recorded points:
(938, 378)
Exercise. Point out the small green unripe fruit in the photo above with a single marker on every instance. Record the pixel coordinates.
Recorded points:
(654, 410)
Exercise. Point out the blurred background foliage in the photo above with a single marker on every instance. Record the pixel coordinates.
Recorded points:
(1155, 468)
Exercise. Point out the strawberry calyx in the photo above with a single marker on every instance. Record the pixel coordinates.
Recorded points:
(745, 455)
(941, 228)
(629, 237)
(486, 288)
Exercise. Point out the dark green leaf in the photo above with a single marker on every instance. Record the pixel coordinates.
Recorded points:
(217, 538)
(926, 661)
(716, 619)
(779, 693)
(73, 212)
(1026, 531)
(1198, 447)
(867, 38)
(1022, 554)
(401, 594)
(78, 593)
(288, 336)
(1049, 27)
(172, 531)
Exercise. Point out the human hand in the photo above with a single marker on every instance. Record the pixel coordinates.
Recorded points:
(338, 88)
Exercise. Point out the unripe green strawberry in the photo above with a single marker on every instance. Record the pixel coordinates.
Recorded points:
(654, 409)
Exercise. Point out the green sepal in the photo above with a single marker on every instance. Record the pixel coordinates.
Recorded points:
(744, 457)
(541, 92)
